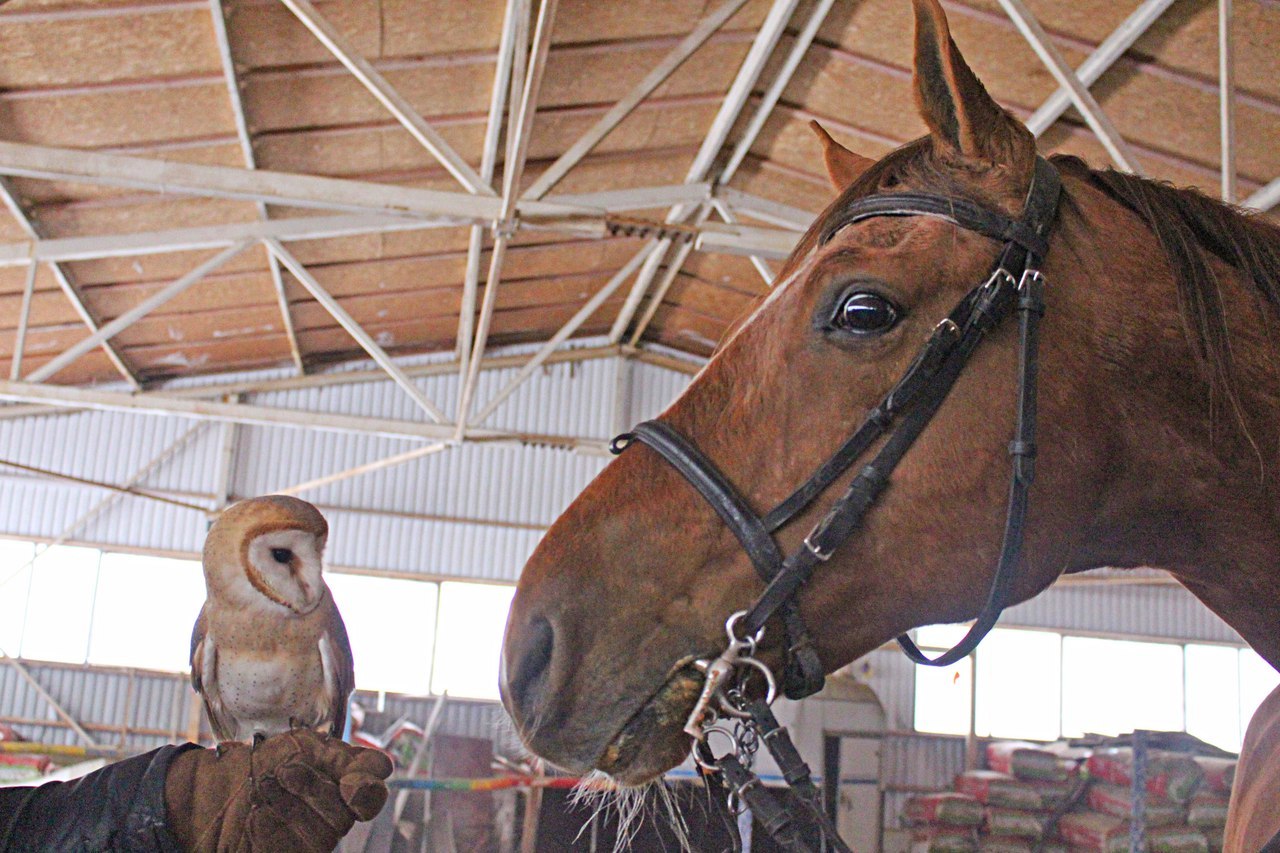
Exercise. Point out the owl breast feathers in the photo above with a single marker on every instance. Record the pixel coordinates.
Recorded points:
(269, 650)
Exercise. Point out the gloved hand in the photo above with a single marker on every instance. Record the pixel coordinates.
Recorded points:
(295, 791)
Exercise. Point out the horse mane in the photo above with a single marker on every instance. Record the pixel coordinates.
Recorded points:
(1190, 227)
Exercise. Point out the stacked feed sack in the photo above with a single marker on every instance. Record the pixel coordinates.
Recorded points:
(1185, 805)
(943, 823)
(1017, 813)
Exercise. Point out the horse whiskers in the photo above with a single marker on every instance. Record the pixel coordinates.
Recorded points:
(599, 792)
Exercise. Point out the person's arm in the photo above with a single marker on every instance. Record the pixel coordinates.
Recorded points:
(296, 791)
(120, 807)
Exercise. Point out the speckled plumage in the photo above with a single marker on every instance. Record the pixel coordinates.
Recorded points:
(269, 649)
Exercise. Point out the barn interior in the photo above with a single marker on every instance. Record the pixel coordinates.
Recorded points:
(417, 261)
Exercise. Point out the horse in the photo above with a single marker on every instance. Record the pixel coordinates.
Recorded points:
(1157, 444)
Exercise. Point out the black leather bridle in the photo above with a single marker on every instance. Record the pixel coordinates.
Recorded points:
(1015, 283)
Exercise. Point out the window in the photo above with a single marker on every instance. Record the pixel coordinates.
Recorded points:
(1213, 692)
(469, 642)
(1257, 680)
(391, 625)
(1040, 685)
(144, 611)
(1115, 686)
(943, 694)
(60, 604)
(1018, 684)
(15, 580)
(1019, 691)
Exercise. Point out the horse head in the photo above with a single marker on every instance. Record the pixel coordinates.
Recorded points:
(634, 582)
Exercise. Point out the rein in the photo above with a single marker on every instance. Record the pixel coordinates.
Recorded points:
(1015, 283)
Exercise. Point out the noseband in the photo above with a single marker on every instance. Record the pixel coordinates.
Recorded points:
(1015, 283)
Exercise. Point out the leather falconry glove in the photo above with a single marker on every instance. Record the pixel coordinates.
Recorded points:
(296, 791)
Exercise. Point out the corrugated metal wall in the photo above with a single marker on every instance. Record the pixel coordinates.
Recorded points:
(137, 710)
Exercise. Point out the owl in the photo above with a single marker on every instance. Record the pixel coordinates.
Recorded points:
(269, 651)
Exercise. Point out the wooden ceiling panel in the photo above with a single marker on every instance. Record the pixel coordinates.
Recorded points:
(162, 362)
(151, 272)
(226, 322)
(372, 247)
(593, 21)
(140, 213)
(686, 330)
(214, 291)
(179, 110)
(105, 48)
(90, 367)
(48, 308)
(266, 35)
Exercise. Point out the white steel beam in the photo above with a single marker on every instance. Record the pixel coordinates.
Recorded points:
(1226, 102)
(528, 83)
(1093, 115)
(35, 232)
(588, 308)
(217, 390)
(660, 292)
(208, 237)
(765, 209)
(676, 57)
(762, 46)
(1099, 61)
(227, 440)
(376, 352)
(735, 239)
(758, 261)
(24, 317)
(780, 81)
(639, 198)
(366, 468)
(1265, 198)
(44, 694)
(246, 147)
(245, 413)
(135, 313)
(488, 162)
(388, 96)
(284, 188)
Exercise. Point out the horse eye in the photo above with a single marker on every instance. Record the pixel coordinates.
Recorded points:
(864, 313)
(281, 555)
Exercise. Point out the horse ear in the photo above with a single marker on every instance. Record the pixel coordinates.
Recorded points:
(843, 166)
(955, 104)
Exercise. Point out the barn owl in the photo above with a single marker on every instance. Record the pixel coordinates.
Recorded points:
(269, 650)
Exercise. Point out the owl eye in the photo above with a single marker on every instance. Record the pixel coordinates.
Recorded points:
(281, 555)
(864, 312)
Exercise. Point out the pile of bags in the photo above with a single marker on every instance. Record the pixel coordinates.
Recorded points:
(1058, 798)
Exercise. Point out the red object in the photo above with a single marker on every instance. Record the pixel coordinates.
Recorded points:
(947, 808)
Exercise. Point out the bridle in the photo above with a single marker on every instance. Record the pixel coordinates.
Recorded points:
(1015, 283)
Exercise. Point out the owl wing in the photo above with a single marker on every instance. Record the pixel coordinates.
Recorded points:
(339, 668)
(204, 679)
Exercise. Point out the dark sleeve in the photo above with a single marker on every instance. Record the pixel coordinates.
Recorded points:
(118, 808)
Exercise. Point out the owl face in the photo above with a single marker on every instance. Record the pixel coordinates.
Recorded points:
(284, 566)
(266, 554)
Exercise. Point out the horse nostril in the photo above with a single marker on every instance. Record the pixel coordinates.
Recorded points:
(530, 667)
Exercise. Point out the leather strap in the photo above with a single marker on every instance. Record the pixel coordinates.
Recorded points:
(803, 675)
